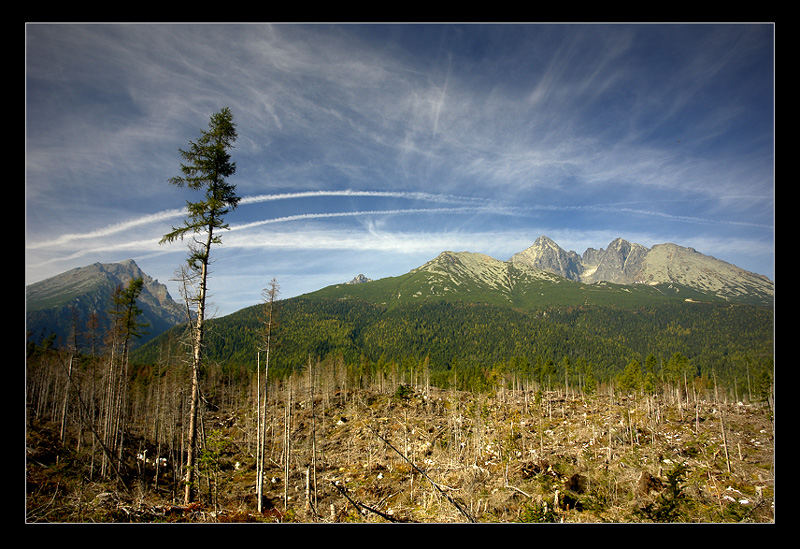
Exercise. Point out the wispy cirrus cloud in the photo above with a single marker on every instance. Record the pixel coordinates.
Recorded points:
(512, 129)
(110, 230)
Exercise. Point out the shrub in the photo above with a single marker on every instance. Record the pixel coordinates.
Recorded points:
(667, 506)
(537, 512)
(404, 392)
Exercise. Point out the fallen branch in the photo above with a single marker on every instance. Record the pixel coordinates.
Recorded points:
(421, 472)
(359, 505)
(520, 491)
(34, 513)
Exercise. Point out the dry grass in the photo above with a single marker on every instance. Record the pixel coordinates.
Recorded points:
(450, 457)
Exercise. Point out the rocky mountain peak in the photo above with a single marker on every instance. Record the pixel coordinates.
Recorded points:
(546, 241)
(89, 290)
(360, 279)
(620, 245)
(546, 255)
(620, 262)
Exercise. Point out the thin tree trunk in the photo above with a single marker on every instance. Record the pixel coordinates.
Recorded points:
(192, 434)
(262, 400)
(108, 405)
(259, 434)
(64, 404)
(724, 438)
(287, 420)
(313, 479)
(197, 355)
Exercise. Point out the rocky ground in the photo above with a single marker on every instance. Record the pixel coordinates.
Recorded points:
(435, 456)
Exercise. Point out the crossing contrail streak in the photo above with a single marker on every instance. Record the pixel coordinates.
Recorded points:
(323, 215)
(467, 205)
(149, 244)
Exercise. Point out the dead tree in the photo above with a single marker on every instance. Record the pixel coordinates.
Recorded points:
(269, 293)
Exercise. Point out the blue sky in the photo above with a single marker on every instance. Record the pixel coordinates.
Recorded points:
(372, 148)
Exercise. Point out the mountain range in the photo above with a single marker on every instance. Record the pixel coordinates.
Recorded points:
(546, 274)
(49, 304)
(542, 304)
(623, 262)
(624, 276)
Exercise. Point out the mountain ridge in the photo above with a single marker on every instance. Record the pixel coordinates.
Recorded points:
(473, 308)
(89, 289)
(664, 269)
(624, 262)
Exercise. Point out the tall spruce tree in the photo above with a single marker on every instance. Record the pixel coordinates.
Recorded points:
(207, 165)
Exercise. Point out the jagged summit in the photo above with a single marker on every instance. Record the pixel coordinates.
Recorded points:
(360, 279)
(546, 255)
(49, 303)
(621, 262)
(624, 262)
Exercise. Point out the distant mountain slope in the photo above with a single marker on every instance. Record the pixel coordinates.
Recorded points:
(623, 275)
(49, 302)
(623, 262)
(673, 263)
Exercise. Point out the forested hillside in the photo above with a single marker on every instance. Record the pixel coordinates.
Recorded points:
(545, 344)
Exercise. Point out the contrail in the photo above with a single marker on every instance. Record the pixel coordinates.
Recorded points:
(322, 215)
(692, 219)
(430, 197)
(149, 244)
(469, 204)
(111, 229)
(177, 212)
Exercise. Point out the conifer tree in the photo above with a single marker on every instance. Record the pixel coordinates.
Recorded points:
(631, 377)
(208, 164)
